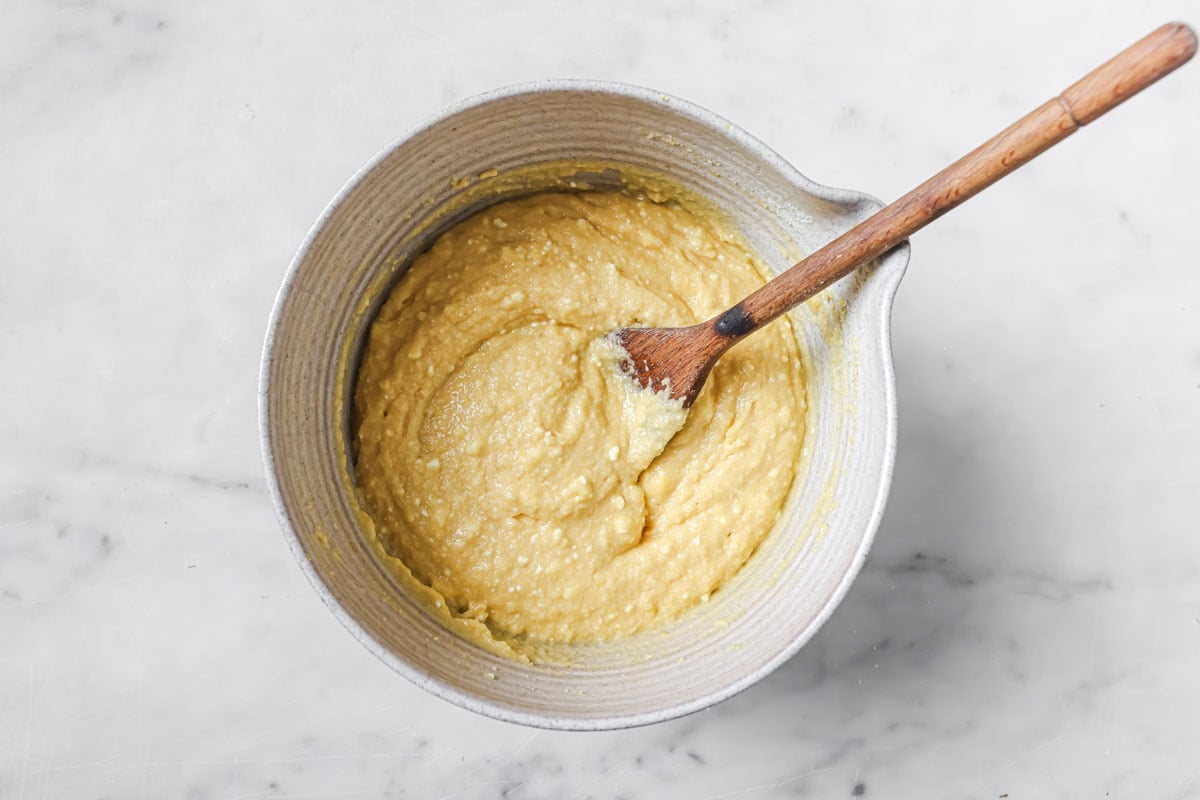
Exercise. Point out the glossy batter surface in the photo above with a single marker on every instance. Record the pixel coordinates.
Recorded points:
(512, 468)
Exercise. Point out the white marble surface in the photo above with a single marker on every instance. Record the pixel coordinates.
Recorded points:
(1029, 623)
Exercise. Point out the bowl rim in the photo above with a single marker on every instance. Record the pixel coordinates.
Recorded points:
(890, 271)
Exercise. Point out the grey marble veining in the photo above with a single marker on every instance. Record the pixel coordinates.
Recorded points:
(1029, 623)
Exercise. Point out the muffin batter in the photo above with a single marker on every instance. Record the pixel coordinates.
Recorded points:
(507, 462)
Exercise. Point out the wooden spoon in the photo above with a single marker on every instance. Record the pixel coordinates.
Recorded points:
(677, 360)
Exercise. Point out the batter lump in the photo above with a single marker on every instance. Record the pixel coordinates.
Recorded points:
(509, 465)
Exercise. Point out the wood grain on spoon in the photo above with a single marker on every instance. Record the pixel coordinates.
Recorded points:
(678, 360)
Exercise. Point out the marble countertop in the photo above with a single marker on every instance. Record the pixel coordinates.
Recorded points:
(1029, 622)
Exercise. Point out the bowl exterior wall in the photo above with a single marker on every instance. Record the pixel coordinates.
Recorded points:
(451, 167)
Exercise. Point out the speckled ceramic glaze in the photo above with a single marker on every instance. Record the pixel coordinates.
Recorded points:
(431, 178)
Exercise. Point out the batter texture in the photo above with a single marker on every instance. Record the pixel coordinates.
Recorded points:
(510, 466)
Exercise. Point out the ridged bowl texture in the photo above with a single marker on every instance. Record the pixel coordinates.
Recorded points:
(431, 178)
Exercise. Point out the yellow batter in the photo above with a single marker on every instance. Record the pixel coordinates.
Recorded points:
(512, 468)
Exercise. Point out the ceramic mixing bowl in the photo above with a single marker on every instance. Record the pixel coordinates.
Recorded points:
(447, 169)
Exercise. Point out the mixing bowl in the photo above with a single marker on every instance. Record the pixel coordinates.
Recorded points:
(592, 133)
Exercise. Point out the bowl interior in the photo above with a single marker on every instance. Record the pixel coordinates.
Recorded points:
(473, 156)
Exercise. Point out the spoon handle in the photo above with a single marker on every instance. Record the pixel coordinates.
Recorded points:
(1103, 88)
